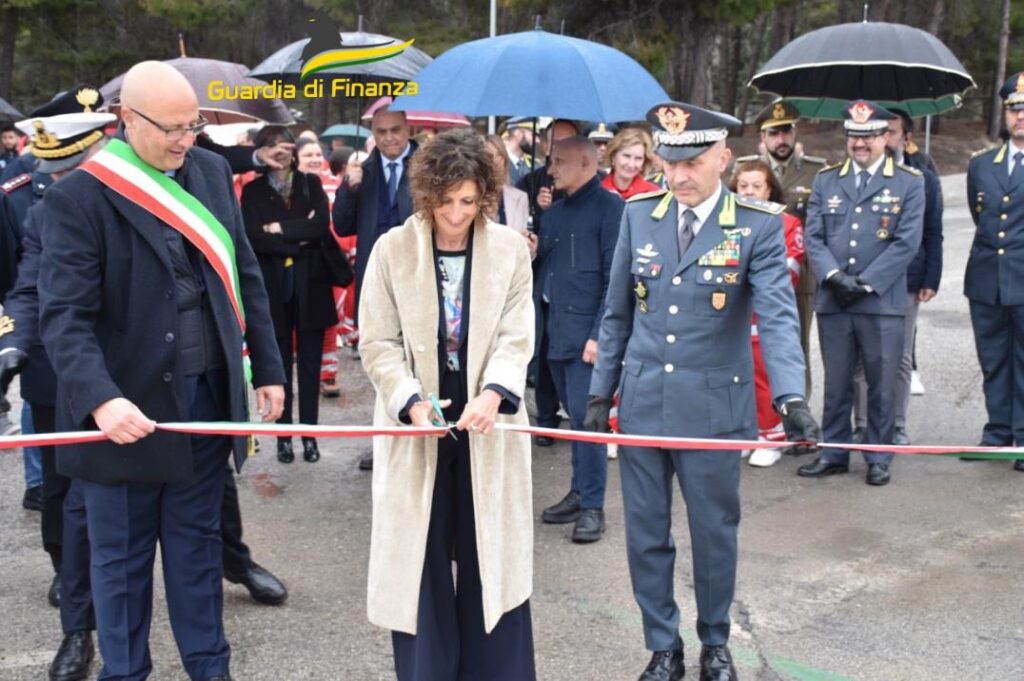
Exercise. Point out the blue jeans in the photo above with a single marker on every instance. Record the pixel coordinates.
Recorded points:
(32, 457)
(589, 461)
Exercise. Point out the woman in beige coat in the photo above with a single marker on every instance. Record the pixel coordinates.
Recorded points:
(446, 310)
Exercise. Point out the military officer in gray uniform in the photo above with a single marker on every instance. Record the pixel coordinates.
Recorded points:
(995, 268)
(864, 225)
(690, 266)
(795, 171)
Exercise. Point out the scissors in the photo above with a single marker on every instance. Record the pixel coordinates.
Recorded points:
(438, 419)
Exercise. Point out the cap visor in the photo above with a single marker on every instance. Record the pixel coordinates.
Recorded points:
(59, 165)
(681, 153)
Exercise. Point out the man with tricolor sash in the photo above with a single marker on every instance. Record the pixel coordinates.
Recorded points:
(149, 297)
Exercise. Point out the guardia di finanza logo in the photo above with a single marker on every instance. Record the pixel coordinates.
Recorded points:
(320, 62)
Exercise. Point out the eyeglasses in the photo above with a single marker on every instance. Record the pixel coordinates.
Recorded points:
(177, 134)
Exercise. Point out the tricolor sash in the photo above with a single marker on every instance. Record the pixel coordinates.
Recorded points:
(118, 167)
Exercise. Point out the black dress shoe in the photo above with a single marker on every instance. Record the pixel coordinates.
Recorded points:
(33, 499)
(285, 453)
(71, 663)
(310, 452)
(665, 665)
(53, 595)
(716, 664)
(220, 677)
(366, 461)
(821, 468)
(543, 441)
(968, 457)
(589, 526)
(1018, 465)
(878, 474)
(565, 511)
(263, 586)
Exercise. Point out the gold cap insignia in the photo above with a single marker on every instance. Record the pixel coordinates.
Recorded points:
(861, 113)
(672, 119)
(87, 98)
(1020, 83)
(778, 112)
(43, 139)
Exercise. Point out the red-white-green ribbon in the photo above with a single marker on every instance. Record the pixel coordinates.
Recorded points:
(680, 443)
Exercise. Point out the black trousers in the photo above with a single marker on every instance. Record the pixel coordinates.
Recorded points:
(309, 346)
(55, 488)
(544, 391)
(450, 644)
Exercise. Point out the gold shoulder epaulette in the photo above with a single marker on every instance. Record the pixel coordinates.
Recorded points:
(758, 204)
(912, 171)
(829, 167)
(820, 160)
(987, 149)
(646, 195)
(747, 159)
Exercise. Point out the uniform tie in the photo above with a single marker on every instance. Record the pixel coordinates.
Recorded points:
(1017, 174)
(686, 231)
(862, 187)
(392, 182)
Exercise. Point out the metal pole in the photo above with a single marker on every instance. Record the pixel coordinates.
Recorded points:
(927, 133)
(491, 123)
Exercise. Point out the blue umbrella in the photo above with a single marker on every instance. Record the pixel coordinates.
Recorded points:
(347, 130)
(535, 73)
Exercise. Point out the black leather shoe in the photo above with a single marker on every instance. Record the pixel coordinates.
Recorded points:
(821, 468)
(716, 664)
(33, 499)
(220, 677)
(263, 586)
(366, 461)
(565, 511)
(878, 474)
(310, 452)
(665, 665)
(899, 437)
(71, 663)
(53, 595)
(968, 457)
(285, 453)
(543, 441)
(1018, 465)
(857, 437)
(589, 526)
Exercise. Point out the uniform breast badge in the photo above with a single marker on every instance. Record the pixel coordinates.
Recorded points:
(718, 299)
(641, 296)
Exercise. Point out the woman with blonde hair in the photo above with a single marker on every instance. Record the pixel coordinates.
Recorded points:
(628, 154)
(447, 325)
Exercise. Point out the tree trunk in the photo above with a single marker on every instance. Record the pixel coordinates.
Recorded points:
(756, 57)
(8, 35)
(693, 58)
(733, 49)
(996, 122)
(937, 14)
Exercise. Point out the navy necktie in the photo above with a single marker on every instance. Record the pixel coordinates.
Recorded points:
(1017, 174)
(686, 231)
(865, 177)
(392, 182)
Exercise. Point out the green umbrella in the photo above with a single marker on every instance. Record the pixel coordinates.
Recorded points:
(354, 134)
(825, 108)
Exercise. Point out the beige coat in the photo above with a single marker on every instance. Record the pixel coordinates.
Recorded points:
(398, 318)
(517, 207)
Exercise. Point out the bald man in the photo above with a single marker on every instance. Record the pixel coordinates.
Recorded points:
(148, 292)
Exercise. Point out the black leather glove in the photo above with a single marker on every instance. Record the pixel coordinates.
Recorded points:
(12, 361)
(846, 288)
(800, 426)
(598, 412)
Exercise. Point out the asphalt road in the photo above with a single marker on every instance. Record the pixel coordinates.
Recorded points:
(917, 581)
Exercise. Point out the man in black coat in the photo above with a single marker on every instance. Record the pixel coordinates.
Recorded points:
(141, 329)
(375, 198)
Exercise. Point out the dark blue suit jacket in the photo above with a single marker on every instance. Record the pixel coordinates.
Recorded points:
(355, 212)
(108, 318)
(925, 270)
(577, 242)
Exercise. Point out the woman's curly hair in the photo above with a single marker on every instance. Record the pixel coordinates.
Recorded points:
(444, 162)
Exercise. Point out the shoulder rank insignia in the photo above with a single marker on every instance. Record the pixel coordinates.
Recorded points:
(832, 166)
(987, 149)
(820, 160)
(15, 182)
(6, 325)
(908, 169)
(747, 159)
(646, 195)
(758, 204)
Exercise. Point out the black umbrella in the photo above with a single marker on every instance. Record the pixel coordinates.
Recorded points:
(878, 61)
(213, 80)
(8, 112)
